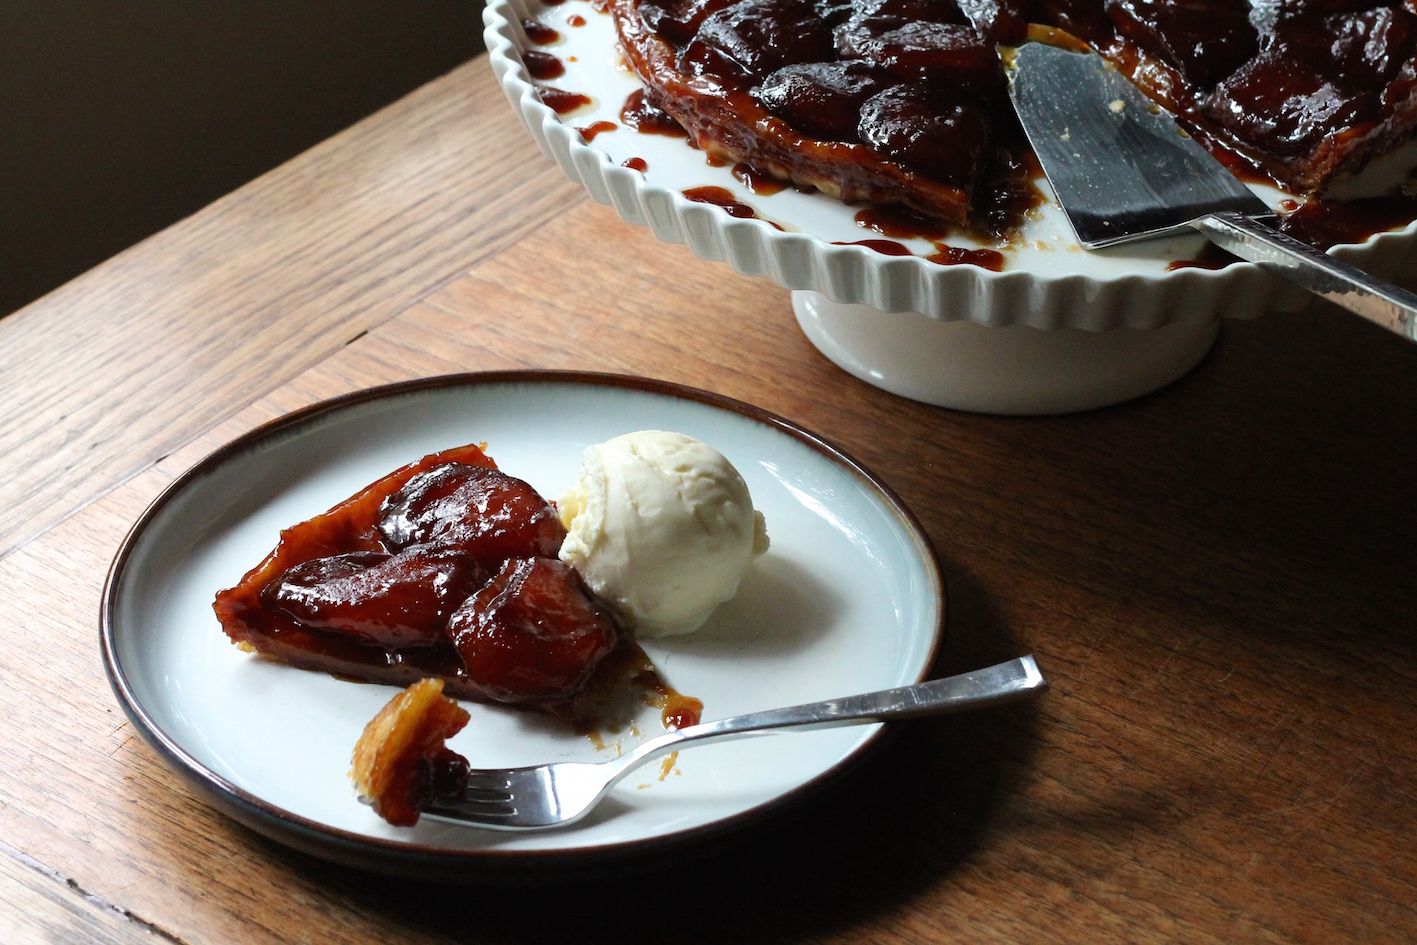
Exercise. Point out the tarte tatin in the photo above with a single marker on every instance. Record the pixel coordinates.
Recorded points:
(903, 101)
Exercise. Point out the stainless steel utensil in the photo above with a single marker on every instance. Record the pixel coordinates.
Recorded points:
(1124, 170)
(556, 794)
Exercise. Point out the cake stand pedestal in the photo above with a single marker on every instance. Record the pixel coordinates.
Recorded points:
(1013, 370)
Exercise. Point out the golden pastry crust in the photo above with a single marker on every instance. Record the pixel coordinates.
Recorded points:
(401, 757)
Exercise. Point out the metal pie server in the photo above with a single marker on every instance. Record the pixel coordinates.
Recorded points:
(1123, 170)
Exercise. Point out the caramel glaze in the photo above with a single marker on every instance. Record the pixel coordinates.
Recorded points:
(639, 114)
(990, 259)
(884, 247)
(903, 223)
(575, 19)
(900, 222)
(1008, 194)
(680, 711)
(538, 32)
(560, 101)
(676, 710)
(635, 164)
(1325, 223)
(542, 65)
(1211, 257)
(720, 197)
(590, 131)
(625, 681)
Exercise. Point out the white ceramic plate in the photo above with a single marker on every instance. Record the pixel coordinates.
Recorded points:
(849, 599)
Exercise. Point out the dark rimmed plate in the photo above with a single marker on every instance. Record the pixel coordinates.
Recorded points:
(848, 599)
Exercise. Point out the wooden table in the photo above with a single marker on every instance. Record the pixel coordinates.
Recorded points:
(1218, 578)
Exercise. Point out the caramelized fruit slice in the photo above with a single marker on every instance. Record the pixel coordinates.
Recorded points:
(396, 601)
(1282, 106)
(921, 128)
(533, 633)
(1362, 49)
(332, 598)
(1403, 88)
(347, 527)
(1206, 40)
(480, 511)
(873, 17)
(678, 20)
(948, 54)
(400, 762)
(747, 41)
(822, 99)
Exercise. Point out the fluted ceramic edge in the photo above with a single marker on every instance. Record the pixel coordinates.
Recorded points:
(857, 274)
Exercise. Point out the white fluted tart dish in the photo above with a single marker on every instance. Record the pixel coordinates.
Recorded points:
(1041, 326)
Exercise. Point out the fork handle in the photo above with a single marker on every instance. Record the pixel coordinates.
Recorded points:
(1006, 682)
(1385, 304)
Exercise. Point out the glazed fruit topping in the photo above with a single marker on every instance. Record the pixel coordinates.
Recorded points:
(1205, 39)
(1364, 49)
(385, 600)
(1283, 105)
(874, 17)
(948, 54)
(823, 99)
(1298, 89)
(445, 568)
(747, 41)
(532, 633)
(483, 512)
(922, 129)
(679, 20)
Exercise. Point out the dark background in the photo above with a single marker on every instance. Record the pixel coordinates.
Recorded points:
(120, 118)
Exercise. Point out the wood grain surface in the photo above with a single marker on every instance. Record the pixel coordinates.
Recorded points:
(1217, 579)
(31, 911)
(170, 336)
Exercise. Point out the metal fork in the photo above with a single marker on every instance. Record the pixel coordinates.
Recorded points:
(553, 795)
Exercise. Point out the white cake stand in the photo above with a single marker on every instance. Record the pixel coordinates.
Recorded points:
(1059, 329)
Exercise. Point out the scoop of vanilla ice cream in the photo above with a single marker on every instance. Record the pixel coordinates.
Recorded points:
(662, 527)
